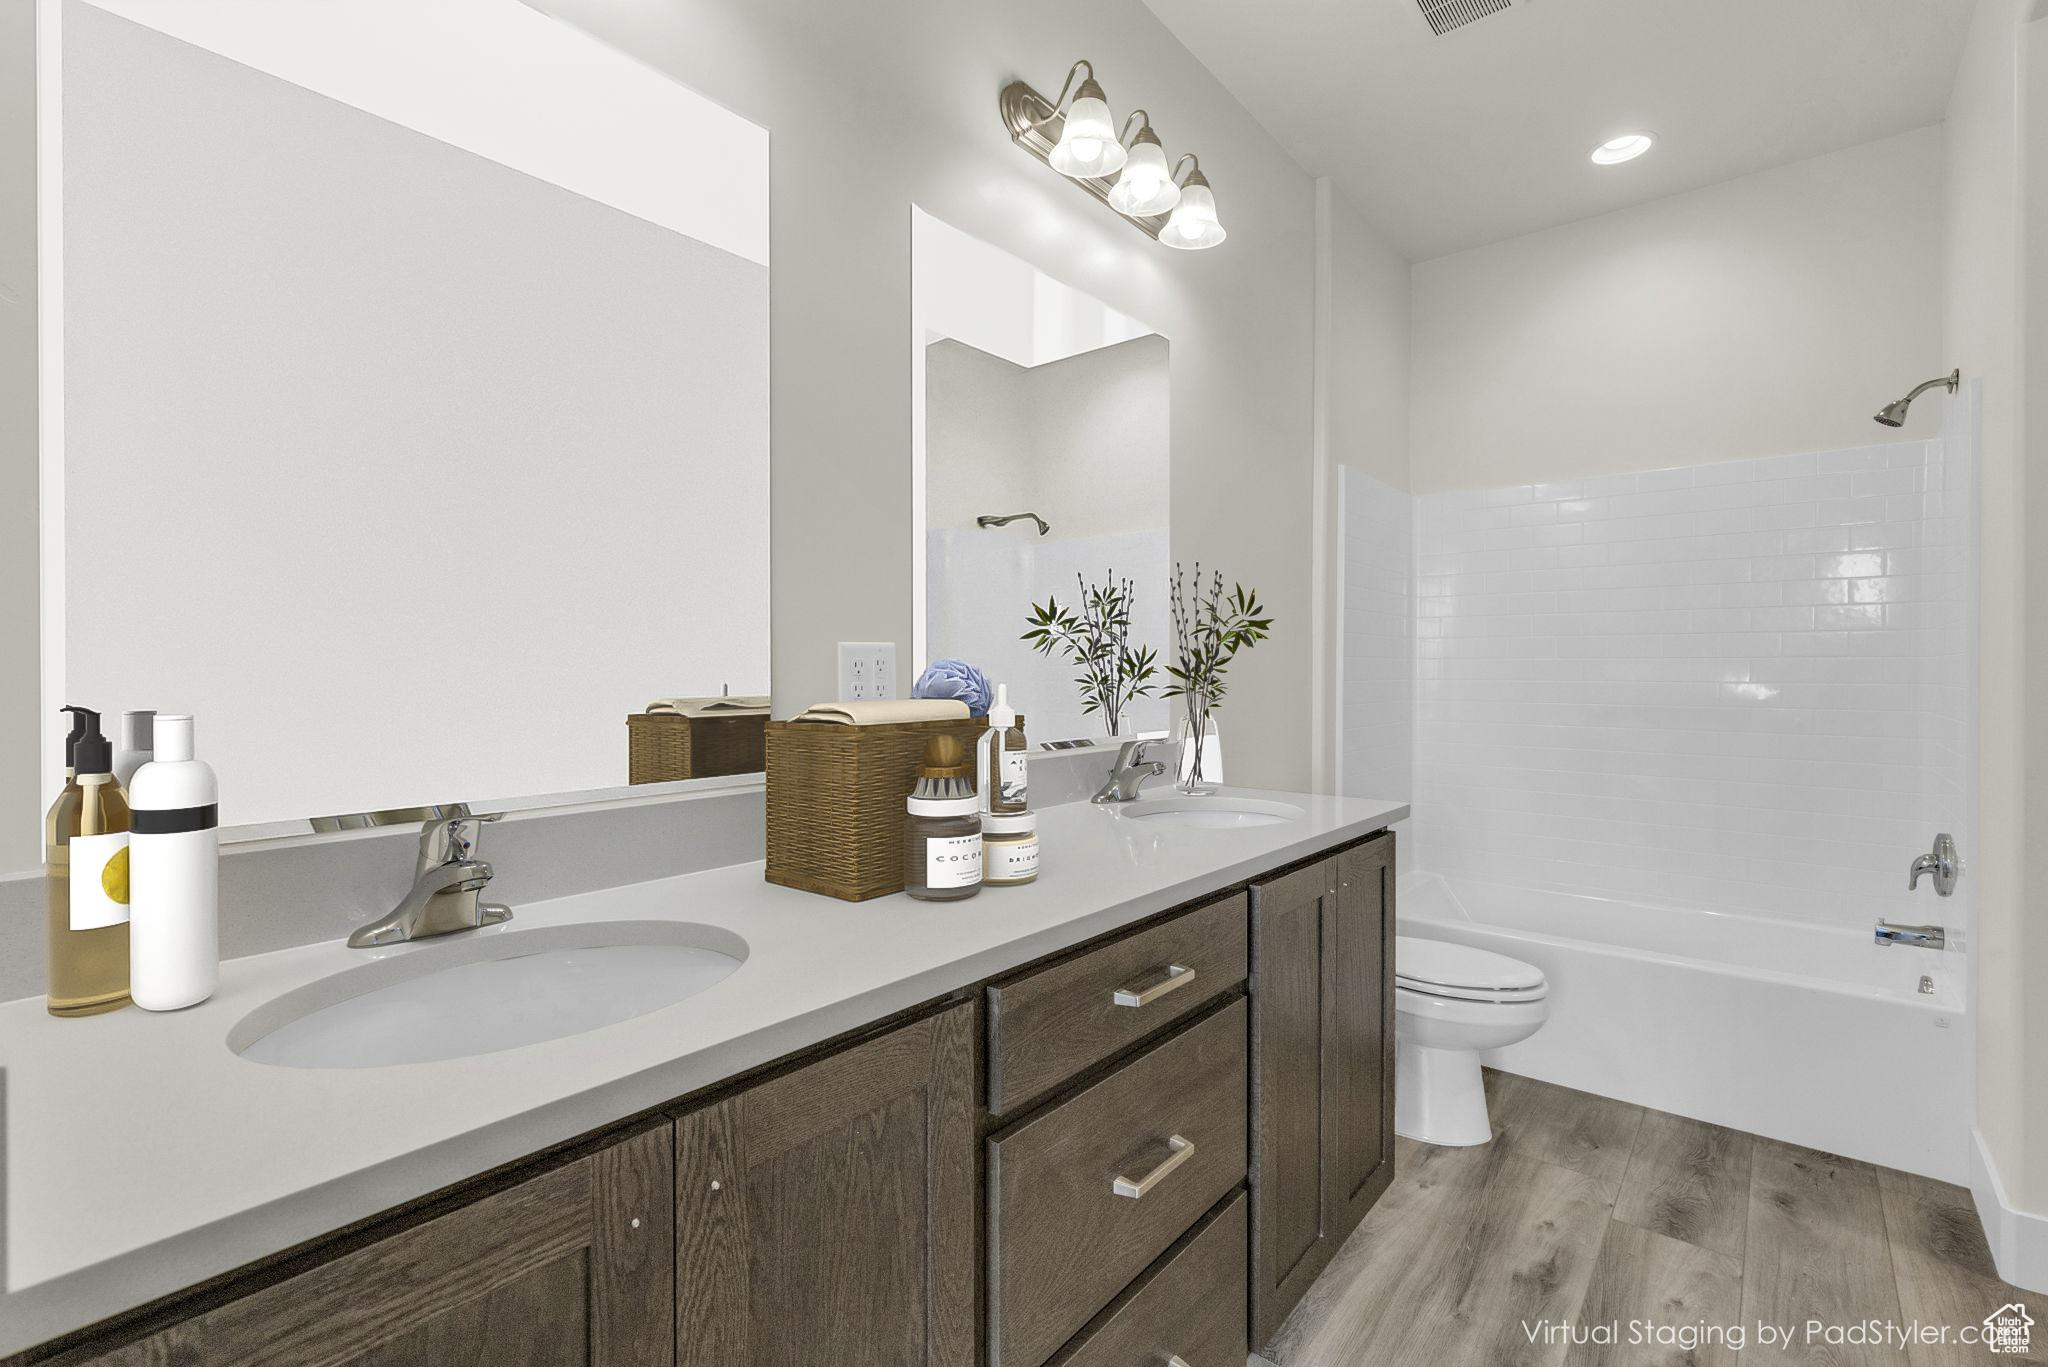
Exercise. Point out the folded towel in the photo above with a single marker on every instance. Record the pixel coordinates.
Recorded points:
(887, 711)
(729, 706)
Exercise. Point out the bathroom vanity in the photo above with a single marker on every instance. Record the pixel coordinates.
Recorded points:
(1151, 1103)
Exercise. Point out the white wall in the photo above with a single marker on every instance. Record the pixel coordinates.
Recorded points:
(1772, 313)
(1367, 408)
(1376, 680)
(21, 719)
(878, 106)
(963, 288)
(1995, 127)
(1362, 382)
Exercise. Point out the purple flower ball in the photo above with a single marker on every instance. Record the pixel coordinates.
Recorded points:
(955, 679)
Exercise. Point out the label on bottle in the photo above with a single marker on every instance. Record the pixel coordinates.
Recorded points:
(1012, 861)
(1015, 789)
(99, 881)
(952, 861)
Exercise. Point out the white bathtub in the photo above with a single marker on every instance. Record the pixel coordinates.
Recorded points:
(1807, 1033)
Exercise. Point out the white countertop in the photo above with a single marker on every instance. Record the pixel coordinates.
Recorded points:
(144, 1156)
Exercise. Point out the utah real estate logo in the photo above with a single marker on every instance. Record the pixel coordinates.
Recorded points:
(2008, 1329)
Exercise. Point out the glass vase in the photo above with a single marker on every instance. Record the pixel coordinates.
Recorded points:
(1197, 726)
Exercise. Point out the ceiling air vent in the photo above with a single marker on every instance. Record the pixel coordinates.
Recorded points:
(1445, 15)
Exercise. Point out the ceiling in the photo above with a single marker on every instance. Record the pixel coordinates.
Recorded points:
(1483, 134)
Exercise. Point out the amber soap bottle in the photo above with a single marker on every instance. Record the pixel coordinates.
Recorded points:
(85, 879)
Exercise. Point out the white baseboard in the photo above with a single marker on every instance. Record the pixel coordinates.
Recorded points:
(2018, 1238)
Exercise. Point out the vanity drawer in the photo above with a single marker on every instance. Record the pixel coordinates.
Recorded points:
(1190, 1309)
(1046, 1027)
(1083, 1197)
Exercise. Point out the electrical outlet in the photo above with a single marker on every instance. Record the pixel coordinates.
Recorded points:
(867, 669)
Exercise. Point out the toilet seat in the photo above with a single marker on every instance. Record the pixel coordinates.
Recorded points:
(1439, 968)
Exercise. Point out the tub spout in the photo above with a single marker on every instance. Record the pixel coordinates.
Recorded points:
(1921, 937)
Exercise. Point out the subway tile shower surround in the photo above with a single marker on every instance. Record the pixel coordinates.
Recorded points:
(1742, 685)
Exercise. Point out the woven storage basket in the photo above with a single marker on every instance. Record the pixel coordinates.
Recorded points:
(662, 747)
(835, 802)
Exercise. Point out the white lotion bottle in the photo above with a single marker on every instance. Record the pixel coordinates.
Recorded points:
(174, 875)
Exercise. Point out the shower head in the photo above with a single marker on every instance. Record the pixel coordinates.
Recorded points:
(987, 521)
(1893, 414)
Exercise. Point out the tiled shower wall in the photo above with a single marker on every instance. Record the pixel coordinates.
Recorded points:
(1743, 686)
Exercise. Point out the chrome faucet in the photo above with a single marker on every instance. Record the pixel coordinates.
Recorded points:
(1942, 861)
(1130, 770)
(445, 885)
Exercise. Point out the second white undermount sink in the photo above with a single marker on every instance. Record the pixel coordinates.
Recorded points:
(483, 994)
(1214, 811)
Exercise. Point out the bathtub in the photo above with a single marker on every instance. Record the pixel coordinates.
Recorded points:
(1807, 1033)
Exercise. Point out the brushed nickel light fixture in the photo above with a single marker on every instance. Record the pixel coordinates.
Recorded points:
(1126, 170)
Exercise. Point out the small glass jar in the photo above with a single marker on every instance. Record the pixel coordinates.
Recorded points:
(942, 849)
(1009, 848)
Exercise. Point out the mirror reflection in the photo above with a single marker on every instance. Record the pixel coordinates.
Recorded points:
(1041, 422)
(415, 407)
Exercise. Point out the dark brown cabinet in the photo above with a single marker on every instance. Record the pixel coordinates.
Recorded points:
(828, 1215)
(572, 1268)
(1322, 1067)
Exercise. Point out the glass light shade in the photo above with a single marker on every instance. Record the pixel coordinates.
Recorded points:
(1088, 145)
(1193, 225)
(1146, 186)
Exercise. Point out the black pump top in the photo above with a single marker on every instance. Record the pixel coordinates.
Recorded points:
(78, 716)
(90, 751)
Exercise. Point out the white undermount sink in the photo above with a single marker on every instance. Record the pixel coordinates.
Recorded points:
(469, 994)
(1214, 811)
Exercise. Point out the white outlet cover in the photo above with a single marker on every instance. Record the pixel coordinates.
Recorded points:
(867, 670)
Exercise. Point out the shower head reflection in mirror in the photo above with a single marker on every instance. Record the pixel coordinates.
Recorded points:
(1029, 394)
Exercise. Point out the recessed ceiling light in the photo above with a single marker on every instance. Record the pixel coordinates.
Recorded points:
(1627, 147)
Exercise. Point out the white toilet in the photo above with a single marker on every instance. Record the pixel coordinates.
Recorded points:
(1450, 1002)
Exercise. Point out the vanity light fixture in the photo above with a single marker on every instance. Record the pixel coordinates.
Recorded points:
(1129, 171)
(1193, 225)
(1146, 188)
(1627, 147)
(1088, 144)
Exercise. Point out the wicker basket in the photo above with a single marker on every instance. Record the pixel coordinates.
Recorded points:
(663, 747)
(835, 802)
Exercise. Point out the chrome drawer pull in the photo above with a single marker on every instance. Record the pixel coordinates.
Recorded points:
(1183, 1150)
(1175, 977)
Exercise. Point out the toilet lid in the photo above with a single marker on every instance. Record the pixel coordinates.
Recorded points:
(1453, 970)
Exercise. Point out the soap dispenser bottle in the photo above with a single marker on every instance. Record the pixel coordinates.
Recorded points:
(85, 880)
(174, 927)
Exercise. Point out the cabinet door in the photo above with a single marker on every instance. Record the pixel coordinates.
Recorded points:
(573, 1267)
(1322, 1067)
(1358, 1070)
(828, 1215)
(1292, 982)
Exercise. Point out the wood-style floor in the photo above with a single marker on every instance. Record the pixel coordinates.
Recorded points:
(1588, 1211)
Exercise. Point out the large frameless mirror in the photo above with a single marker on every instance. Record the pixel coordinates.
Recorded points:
(413, 397)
